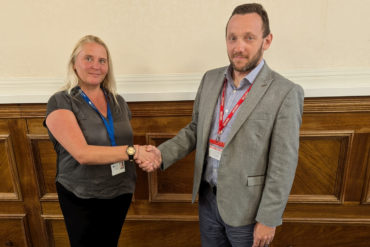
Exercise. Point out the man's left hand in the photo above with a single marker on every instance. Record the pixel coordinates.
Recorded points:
(263, 235)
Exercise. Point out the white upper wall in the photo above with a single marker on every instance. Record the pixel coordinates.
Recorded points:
(156, 38)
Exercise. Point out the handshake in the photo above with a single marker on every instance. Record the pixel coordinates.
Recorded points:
(148, 157)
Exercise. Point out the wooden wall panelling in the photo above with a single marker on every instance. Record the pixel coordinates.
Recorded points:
(29, 202)
(139, 233)
(167, 207)
(14, 231)
(155, 117)
(322, 167)
(321, 234)
(56, 231)
(44, 165)
(9, 179)
(329, 204)
(331, 115)
(43, 157)
(44, 162)
(13, 226)
(337, 105)
(143, 233)
(366, 190)
(357, 172)
(152, 123)
(352, 113)
(174, 184)
(161, 109)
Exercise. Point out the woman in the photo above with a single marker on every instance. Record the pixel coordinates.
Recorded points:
(89, 125)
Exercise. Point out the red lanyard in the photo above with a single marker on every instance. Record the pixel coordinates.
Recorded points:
(222, 124)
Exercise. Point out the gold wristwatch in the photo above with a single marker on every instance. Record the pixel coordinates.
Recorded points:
(130, 152)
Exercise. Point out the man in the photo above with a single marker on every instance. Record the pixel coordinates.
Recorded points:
(245, 129)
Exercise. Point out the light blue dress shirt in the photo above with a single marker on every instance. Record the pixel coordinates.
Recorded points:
(232, 96)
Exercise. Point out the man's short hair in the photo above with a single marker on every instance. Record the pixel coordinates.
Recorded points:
(253, 8)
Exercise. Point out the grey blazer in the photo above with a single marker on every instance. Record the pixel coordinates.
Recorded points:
(260, 157)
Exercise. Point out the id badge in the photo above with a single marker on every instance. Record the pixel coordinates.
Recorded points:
(215, 149)
(118, 168)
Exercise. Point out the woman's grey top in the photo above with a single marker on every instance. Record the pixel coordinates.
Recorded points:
(93, 181)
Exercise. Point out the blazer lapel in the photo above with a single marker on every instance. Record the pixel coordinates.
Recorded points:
(212, 95)
(259, 88)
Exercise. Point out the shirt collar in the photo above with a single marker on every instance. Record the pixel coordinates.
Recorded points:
(248, 79)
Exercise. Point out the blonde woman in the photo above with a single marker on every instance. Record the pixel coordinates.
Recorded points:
(89, 125)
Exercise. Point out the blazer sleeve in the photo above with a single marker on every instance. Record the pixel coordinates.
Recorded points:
(185, 141)
(283, 159)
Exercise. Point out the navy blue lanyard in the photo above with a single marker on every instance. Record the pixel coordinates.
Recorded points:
(108, 125)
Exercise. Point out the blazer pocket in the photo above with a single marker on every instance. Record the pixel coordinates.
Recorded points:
(255, 180)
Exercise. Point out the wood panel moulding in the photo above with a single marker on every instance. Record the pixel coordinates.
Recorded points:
(295, 234)
(44, 161)
(322, 166)
(161, 109)
(327, 212)
(174, 184)
(22, 110)
(56, 231)
(337, 104)
(366, 193)
(14, 231)
(9, 179)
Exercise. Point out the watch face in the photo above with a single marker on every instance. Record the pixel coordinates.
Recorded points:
(130, 150)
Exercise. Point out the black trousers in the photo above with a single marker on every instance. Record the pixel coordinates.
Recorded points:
(93, 222)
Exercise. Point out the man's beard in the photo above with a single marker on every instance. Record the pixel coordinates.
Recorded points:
(250, 65)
